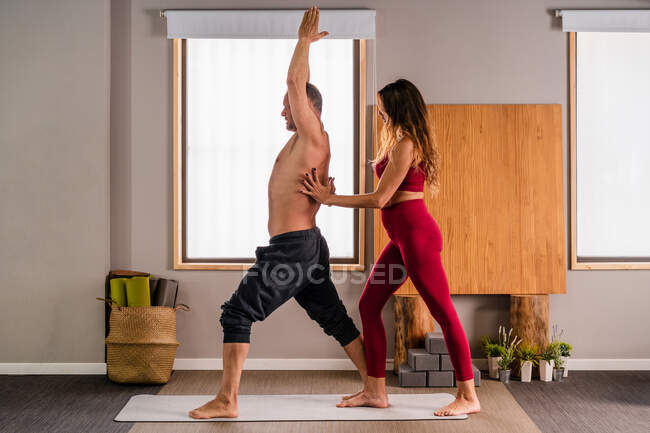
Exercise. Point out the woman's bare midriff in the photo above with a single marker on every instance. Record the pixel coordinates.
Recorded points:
(401, 196)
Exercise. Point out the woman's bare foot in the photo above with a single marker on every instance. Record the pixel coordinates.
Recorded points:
(348, 397)
(365, 398)
(219, 407)
(460, 406)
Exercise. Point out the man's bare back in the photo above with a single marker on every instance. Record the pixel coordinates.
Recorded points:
(289, 210)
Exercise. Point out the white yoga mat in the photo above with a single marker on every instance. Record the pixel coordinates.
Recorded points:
(304, 407)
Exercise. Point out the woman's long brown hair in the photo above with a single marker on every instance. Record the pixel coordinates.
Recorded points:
(408, 116)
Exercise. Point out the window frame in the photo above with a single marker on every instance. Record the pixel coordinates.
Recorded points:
(180, 261)
(578, 263)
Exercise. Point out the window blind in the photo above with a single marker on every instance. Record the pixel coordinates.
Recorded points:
(621, 20)
(266, 24)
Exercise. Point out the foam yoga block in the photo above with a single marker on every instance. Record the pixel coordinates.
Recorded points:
(445, 363)
(118, 291)
(409, 377)
(440, 378)
(435, 343)
(477, 376)
(137, 292)
(420, 360)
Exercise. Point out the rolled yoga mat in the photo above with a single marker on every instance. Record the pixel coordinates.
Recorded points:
(166, 293)
(118, 291)
(153, 287)
(304, 407)
(137, 292)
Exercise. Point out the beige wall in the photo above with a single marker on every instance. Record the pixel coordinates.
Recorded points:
(456, 52)
(54, 179)
(54, 168)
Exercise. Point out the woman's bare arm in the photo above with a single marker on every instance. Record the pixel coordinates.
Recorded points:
(396, 169)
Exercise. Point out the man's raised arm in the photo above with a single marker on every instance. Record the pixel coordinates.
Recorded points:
(304, 116)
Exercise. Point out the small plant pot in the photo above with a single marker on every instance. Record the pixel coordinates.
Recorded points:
(546, 370)
(558, 373)
(526, 371)
(566, 366)
(493, 366)
(504, 376)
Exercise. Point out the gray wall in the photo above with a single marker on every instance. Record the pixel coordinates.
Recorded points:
(54, 179)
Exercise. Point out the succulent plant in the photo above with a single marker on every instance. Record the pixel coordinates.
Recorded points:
(565, 348)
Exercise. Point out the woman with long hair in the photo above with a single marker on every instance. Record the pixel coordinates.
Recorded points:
(406, 159)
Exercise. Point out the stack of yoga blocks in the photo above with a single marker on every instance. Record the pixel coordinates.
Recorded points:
(431, 366)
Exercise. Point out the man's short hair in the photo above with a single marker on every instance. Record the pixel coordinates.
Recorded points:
(315, 97)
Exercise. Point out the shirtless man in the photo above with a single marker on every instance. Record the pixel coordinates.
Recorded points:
(296, 262)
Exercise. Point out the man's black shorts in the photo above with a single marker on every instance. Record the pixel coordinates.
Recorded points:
(294, 265)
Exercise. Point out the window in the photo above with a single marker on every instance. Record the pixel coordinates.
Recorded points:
(228, 100)
(610, 150)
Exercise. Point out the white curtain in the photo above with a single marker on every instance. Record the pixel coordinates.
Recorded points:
(613, 144)
(235, 90)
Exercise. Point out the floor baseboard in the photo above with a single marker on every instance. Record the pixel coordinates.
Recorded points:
(23, 368)
(577, 364)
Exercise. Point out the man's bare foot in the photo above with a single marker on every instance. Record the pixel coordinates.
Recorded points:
(460, 406)
(365, 399)
(219, 407)
(348, 397)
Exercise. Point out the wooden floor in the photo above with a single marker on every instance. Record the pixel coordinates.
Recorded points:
(594, 402)
(588, 401)
(64, 404)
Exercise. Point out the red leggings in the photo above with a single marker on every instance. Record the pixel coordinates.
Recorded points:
(415, 245)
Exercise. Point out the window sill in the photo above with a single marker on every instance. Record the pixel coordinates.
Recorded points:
(351, 267)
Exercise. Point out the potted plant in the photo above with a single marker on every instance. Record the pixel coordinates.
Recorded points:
(546, 365)
(565, 350)
(564, 347)
(558, 368)
(528, 357)
(509, 346)
(493, 351)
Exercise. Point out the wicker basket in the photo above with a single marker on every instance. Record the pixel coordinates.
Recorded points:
(141, 344)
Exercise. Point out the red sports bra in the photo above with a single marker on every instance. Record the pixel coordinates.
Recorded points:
(413, 181)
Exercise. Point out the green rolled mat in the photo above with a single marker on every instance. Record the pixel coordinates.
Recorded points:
(118, 291)
(137, 292)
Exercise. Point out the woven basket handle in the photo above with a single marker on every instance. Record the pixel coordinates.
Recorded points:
(110, 302)
(182, 307)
